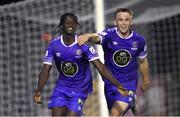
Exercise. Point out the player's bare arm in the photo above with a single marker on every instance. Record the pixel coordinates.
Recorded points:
(43, 77)
(104, 72)
(144, 69)
(92, 37)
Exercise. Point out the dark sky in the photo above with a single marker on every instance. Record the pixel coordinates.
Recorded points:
(3, 2)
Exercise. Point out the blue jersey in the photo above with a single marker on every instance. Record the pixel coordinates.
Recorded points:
(72, 62)
(121, 55)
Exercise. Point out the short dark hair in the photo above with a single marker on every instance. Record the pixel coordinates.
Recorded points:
(62, 19)
(123, 10)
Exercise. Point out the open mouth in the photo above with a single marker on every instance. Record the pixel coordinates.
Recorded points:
(70, 28)
(123, 28)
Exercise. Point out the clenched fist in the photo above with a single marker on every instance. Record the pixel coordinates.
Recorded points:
(37, 97)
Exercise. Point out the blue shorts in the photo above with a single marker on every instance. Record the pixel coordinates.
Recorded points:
(112, 95)
(67, 99)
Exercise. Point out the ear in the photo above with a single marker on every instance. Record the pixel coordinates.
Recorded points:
(131, 22)
(115, 23)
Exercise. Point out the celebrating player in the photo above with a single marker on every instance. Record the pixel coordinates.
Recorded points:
(123, 50)
(72, 61)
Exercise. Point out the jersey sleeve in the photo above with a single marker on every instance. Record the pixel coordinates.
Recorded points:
(104, 36)
(143, 49)
(91, 53)
(49, 55)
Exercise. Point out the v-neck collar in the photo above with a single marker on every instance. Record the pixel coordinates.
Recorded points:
(75, 41)
(126, 37)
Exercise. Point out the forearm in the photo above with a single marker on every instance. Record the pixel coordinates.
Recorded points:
(144, 69)
(43, 77)
(94, 38)
(91, 37)
(106, 74)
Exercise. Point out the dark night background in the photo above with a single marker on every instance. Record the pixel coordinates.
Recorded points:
(157, 20)
(3, 2)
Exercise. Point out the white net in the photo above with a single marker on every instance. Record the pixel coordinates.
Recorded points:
(22, 50)
(159, 22)
(161, 27)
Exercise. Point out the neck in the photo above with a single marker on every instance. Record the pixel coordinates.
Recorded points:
(68, 39)
(124, 35)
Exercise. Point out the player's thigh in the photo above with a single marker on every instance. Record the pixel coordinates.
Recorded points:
(59, 111)
(120, 105)
(118, 108)
(71, 113)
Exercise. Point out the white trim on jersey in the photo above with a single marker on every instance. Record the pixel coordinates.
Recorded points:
(47, 63)
(126, 37)
(101, 38)
(75, 41)
(142, 57)
(95, 58)
(101, 35)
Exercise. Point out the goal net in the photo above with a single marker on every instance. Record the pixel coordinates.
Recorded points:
(161, 28)
(22, 49)
(22, 25)
(159, 22)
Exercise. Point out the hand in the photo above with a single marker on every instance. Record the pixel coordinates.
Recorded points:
(82, 39)
(37, 97)
(145, 86)
(123, 91)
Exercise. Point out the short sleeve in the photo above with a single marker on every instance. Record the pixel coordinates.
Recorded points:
(91, 53)
(49, 55)
(143, 49)
(104, 36)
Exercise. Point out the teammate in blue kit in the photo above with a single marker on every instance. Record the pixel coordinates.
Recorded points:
(123, 50)
(72, 61)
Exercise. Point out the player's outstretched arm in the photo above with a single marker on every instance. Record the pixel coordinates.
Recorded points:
(104, 72)
(144, 69)
(92, 37)
(43, 77)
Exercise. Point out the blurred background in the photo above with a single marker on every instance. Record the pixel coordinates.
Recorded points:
(23, 22)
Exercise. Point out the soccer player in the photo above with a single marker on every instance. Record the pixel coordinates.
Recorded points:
(124, 49)
(72, 61)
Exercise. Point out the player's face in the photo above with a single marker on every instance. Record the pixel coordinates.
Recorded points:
(123, 22)
(70, 25)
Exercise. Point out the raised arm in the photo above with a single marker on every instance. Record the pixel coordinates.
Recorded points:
(92, 37)
(43, 77)
(105, 73)
(144, 69)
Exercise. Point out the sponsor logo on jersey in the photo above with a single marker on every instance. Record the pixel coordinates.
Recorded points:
(69, 68)
(122, 57)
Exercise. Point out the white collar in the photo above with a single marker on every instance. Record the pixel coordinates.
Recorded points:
(75, 41)
(126, 37)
